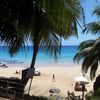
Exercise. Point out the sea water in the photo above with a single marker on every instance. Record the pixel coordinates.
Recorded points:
(25, 56)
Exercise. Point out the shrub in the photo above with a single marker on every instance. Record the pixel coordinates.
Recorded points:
(95, 97)
(97, 92)
(28, 97)
(89, 95)
(96, 86)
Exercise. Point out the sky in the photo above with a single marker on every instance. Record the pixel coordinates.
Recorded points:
(88, 6)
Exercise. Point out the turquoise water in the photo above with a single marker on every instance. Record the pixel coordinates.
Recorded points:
(67, 54)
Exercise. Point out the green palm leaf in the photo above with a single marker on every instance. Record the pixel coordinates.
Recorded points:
(51, 44)
(93, 70)
(86, 44)
(87, 62)
(62, 14)
(43, 22)
(97, 43)
(82, 54)
(89, 53)
(89, 50)
(97, 11)
(93, 27)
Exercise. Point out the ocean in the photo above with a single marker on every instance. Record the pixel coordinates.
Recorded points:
(66, 56)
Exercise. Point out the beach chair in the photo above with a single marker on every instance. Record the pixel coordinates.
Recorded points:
(13, 87)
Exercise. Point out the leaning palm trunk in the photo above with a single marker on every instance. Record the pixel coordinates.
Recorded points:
(34, 55)
(33, 63)
(35, 48)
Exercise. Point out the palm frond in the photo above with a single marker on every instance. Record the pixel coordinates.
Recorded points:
(93, 27)
(37, 19)
(16, 46)
(97, 43)
(93, 70)
(96, 11)
(51, 44)
(86, 44)
(87, 62)
(64, 17)
(89, 52)
(82, 54)
(14, 42)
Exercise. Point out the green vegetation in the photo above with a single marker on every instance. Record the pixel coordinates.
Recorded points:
(96, 86)
(42, 22)
(45, 23)
(95, 98)
(89, 51)
(28, 97)
(91, 96)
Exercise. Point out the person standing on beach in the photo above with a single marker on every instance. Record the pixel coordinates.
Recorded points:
(53, 78)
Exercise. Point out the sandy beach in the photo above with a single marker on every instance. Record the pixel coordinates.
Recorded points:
(64, 78)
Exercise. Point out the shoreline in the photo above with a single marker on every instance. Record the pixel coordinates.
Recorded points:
(11, 63)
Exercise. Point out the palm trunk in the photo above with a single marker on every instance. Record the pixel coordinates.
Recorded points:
(35, 48)
(36, 42)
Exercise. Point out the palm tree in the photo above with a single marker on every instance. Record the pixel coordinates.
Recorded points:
(93, 27)
(40, 21)
(89, 50)
(89, 53)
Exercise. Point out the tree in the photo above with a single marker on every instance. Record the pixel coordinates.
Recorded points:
(89, 50)
(93, 27)
(40, 21)
(43, 22)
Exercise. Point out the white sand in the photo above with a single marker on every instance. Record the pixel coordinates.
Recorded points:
(64, 76)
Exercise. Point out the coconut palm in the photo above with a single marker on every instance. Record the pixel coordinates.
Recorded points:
(40, 21)
(89, 50)
(43, 22)
(93, 27)
(89, 53)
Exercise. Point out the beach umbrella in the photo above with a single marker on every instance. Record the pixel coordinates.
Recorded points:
(81, 79)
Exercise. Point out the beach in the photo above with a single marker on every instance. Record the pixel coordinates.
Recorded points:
(64, 78)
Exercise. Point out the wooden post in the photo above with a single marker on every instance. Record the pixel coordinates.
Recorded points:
(30, 74)
(83, 90)
(30, 86)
